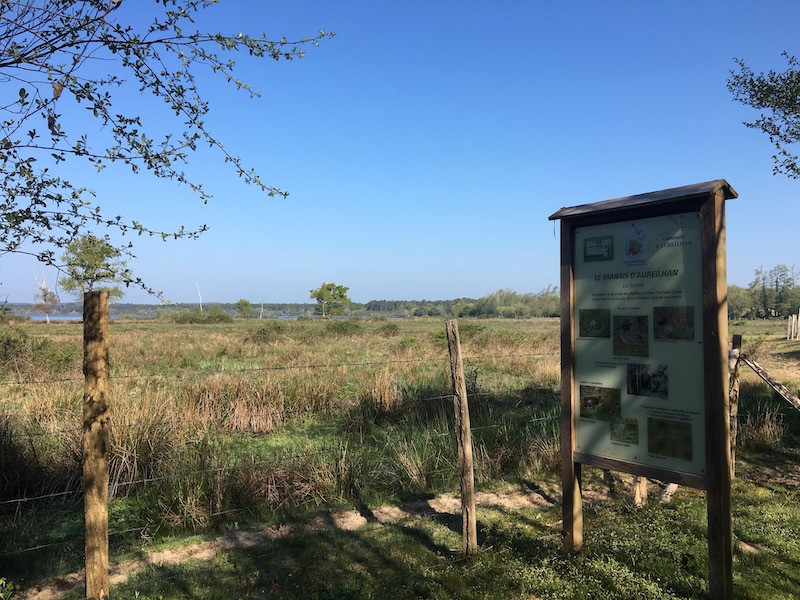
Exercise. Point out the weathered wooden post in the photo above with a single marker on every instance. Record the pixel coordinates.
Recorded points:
(733, 365)
(639, 490)
(95, 441)
(793, 332)
(464, 441)
(719, 509)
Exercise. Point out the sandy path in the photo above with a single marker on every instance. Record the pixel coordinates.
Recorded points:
(249, 537)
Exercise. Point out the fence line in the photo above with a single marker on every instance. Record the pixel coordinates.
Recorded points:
(194, 421)
(277, 455)
(209, 372)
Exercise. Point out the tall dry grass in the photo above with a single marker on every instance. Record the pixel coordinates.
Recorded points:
(215, 418)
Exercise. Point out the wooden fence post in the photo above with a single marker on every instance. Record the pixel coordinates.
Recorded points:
(464, 441)
(95, 441)
(639, 490)
(733, 364)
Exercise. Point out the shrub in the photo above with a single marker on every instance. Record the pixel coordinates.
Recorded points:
(389, 330)
(215, 314)
(268, 332)
(24, 356)
(343, 327)
(763, 427)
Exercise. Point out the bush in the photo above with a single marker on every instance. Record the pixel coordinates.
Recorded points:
(389, 330)
(24, 356)
(268, 332)
(215, 314)
(33, 464)
(343, 327)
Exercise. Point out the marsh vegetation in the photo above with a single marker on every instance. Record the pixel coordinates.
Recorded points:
(226, 426)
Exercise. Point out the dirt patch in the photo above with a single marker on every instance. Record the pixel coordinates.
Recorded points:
(243, 539)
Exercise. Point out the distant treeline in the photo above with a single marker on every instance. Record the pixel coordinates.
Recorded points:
(772, 293)
(503, 303)
(151, 311)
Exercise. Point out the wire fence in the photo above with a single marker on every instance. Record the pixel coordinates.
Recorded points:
(241, 370)
(326, 442)
(119, 488)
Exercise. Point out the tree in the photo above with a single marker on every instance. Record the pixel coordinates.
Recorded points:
(89, 261)
(45, 300)
(66, 65)
(775, 293)
(739, 304)
(331, 299)
(245, 308)
(778, 95)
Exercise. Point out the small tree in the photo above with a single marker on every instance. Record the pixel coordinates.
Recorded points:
(89, 261)
(331, 299)
(739, 302)
(45, 300)
(245, 308)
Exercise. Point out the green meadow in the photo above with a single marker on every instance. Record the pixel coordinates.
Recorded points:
(314, 458)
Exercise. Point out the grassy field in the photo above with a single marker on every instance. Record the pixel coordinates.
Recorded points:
(266, 426)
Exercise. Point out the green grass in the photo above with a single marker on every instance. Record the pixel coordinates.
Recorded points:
(656, 552)
(254, 423)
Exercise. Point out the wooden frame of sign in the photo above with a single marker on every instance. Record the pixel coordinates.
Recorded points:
(644, 368)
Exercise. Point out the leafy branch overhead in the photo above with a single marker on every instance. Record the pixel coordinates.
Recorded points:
(66, 66)
(777, 94)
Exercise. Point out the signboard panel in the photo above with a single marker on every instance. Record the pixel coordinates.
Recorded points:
(639, 390)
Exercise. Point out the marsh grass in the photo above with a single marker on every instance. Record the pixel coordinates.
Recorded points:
(219, 425)
(25, 356)
(217, 419)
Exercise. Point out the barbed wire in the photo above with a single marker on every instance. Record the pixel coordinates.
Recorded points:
(274, 460)
(165, 520)
(223, 371)
(41, 497)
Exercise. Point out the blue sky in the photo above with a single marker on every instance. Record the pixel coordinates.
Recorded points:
(425, 146)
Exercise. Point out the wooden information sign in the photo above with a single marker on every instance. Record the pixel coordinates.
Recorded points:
(644, 365)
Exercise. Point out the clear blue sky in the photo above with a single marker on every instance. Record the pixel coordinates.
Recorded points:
(425, 146)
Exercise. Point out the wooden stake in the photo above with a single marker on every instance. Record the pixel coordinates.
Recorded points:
(639, 491)
(464, 441)
(733, 368)
(95, 441)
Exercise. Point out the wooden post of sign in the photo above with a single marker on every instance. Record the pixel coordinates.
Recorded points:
(733, 367)
(464, 441)
(95, 441)
(572, 501)
(717, 411)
